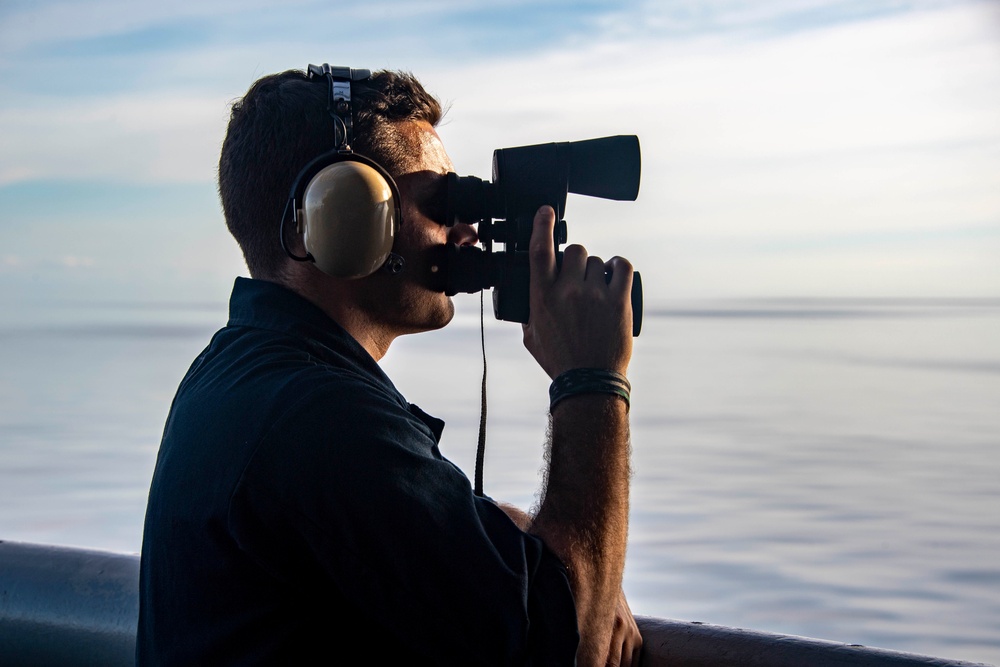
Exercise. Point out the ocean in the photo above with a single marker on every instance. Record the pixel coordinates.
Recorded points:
(819, 467)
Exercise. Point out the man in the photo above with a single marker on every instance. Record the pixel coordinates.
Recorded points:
(300, 506)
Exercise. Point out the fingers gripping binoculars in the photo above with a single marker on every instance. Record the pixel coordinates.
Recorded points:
(524, 179)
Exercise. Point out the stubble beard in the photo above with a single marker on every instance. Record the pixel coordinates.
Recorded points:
(406, 306)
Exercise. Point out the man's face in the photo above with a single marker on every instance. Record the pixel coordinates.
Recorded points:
(406, 301)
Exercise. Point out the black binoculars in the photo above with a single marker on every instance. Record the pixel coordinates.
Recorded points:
(524, 179)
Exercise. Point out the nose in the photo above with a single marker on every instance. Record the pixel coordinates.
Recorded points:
(462, 233)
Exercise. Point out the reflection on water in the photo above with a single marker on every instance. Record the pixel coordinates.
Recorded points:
(825, 468)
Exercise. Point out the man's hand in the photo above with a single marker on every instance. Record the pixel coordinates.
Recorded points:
(626, 642)
(577, 319)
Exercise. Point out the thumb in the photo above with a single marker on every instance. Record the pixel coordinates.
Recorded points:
(541, 249)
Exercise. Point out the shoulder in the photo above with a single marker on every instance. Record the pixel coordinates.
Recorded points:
(257, 400)
(333, 424)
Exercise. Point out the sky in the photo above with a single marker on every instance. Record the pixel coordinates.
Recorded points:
(791, 148)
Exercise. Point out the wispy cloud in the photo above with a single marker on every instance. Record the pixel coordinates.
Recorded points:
(754, 19)
(17, 263)
(144, 137)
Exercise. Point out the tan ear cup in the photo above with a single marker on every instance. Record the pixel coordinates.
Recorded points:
(348, 219)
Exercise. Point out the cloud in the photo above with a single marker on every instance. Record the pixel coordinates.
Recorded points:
(716, 91)
(74, 262)
(159, 137)
(887, 123)
(18, 263)
(755, 18)
(45, 22)
(768, 129)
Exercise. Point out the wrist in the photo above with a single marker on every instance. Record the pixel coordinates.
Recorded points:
(579, 381)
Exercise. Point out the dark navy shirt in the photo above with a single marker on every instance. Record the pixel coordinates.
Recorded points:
(301, 513)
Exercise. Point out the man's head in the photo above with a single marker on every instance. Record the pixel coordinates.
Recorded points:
(282, 123)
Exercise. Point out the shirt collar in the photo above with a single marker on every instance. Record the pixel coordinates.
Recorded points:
(265, 305)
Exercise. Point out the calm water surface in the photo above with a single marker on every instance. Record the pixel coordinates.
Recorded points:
(824, 468)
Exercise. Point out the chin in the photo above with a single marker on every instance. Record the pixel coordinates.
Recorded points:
(434, 316)
(443, 316)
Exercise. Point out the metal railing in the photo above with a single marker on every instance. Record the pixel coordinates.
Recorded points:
(62, 606)
(67, 606)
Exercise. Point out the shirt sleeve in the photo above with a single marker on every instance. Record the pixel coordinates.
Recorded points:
(349, 488)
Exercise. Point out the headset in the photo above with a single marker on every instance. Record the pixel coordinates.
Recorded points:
(346, 207)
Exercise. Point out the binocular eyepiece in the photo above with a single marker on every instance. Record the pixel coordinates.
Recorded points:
(524, 179)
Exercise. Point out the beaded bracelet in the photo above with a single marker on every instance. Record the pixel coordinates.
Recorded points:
(589, 381)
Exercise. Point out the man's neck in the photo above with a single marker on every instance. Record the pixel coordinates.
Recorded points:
(339, 304)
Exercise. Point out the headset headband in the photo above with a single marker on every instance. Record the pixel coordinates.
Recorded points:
(338, 103)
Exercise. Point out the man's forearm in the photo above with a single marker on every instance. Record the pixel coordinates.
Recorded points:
(581, 320)
(583, 516)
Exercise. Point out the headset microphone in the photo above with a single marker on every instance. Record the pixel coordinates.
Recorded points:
(346, 206)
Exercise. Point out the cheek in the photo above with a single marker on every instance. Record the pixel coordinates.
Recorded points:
(419, 232)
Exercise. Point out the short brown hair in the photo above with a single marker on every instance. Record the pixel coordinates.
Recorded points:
(281, 124)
